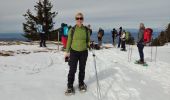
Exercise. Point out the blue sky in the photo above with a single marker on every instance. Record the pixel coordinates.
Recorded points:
(99, 13)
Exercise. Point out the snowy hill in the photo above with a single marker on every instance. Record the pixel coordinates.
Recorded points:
(42, 74)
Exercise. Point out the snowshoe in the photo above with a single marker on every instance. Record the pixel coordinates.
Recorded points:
(145, 64)
(63, 49)
(141, 63)
(83, 88)
(69, 91)
(123, 50)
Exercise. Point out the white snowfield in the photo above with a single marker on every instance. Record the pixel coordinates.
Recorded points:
(43, 75)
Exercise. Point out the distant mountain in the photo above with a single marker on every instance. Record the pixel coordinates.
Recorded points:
(12, 37)
(107, 37)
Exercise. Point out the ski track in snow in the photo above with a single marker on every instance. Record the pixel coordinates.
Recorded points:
(43, 76)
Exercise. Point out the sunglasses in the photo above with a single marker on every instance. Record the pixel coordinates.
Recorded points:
(79, 18)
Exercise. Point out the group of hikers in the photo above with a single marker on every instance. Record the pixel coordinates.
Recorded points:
(121, 37)
(76, 42)
(63, 31)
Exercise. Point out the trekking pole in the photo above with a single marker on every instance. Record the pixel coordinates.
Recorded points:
(156, 53)
(151, 50)
(97, 79)
(58, 40)
(131, 52)
(151, 53)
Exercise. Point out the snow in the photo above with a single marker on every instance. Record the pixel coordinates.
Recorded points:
(43, 75)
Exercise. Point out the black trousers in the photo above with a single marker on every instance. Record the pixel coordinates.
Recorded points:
(123, 45)
(99, 41)
(140, 49)
(119, 42)
(75, 57)
(113, 39)
(42, 40)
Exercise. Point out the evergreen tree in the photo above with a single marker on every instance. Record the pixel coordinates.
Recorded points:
(43, 16)
(155, 42)
(130, 40)
(167, 32)
(163, 38)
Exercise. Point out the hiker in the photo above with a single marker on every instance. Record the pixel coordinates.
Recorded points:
(65, 29)
(69, 27)
(100, 36)
(123, 41)
(119, 37)
(114, 33)
(42, 34)
(77, 51)
(89, 27)
(60, 30)
(140, 43)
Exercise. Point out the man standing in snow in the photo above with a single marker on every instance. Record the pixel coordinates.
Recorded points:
(123, 39)
(100, 36)
(114, 33)
(140, 43)
(41, 32)
(119, 37)
(89, 27)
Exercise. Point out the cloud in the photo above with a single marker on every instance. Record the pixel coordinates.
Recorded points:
(98, 13)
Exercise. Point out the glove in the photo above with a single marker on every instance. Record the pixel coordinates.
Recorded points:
(66, 54)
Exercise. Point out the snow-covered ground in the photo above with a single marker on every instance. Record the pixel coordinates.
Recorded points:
(43, 75)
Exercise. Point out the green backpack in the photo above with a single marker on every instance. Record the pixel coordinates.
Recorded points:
(127, 35)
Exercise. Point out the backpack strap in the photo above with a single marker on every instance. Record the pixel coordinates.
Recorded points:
(87, 35)
(72, 33)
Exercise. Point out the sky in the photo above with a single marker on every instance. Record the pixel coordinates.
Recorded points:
(107, 14)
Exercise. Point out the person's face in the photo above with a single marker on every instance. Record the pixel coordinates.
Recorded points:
(141, 26)
(79, 20)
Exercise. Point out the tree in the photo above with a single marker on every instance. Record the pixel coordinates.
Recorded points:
(43, 16)
(130, 40)
(167, 32)
(163, 38)
(155, 42)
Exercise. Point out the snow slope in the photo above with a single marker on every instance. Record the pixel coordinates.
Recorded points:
(43, 75)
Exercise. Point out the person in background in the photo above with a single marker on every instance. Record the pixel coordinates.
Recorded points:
(42, 34)
(119, 37)
(64, 36)
(61, 31)
(100, 36)
(77, 51)
(140, 43)
(123, 41)
(69, 27)
(89, 27)
(114, 33)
